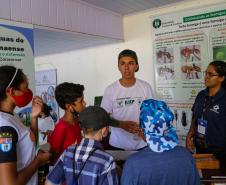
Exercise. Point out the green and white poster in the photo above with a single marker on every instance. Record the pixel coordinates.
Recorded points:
(17, 49)
(184, 44)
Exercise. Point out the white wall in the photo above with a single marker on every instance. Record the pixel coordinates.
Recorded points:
(97, 67)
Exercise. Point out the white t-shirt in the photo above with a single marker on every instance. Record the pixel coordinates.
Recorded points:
(124, 104)
(44, 125)
(25, 147)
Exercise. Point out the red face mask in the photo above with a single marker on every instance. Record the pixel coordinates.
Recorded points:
(23, 99)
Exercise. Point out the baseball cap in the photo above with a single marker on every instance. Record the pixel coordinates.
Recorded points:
(96, 118)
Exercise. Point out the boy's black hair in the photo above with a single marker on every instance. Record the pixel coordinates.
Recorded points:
(67, 93)
(6, 75)
(129, 53)
(220, 67)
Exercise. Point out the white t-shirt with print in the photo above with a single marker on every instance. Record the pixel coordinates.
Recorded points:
(25, 147)
(124, 104)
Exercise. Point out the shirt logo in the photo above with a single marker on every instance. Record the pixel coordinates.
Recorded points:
(215, 109)
(127, 102)
(119, 103)
(6, 144)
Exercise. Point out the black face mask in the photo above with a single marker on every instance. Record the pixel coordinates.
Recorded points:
(75, 113)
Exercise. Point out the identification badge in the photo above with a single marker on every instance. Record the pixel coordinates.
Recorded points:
(202, 125)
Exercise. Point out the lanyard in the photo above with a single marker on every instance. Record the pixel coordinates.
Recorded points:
(76, 176)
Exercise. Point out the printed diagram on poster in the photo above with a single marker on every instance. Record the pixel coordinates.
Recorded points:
(190, 58)
(165, 72)
(182, 120)
(46, 81)
(191, 72)
(218, 44)
(165, 60)
(164, 55)
(190, 53)
(219, 53)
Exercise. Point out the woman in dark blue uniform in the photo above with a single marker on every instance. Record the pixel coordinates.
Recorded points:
(208, 128)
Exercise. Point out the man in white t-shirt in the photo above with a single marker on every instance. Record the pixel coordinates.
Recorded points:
(122, 99)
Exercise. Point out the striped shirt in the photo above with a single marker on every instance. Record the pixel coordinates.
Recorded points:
(99, 169)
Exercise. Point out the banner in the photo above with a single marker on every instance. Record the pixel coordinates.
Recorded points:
(17, 49)
(184, 44)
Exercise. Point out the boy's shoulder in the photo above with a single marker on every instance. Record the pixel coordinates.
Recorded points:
(71, 148)
(113, 85)
(105, 154)
(99, 153)
(102, 159)
(60, 124)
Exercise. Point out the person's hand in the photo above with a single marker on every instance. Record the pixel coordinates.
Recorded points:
(141, 135)
(43, 157)
(129, 126)
(190, 142)
(37, 106)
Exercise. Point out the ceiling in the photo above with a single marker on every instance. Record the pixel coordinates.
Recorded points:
(125, 7)
(49, 42)
(52, 41)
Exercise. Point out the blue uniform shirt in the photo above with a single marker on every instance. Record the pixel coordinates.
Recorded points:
(215, 115)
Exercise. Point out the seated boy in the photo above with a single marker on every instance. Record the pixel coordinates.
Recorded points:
(69, 97)
(87, 163)
(162, 161)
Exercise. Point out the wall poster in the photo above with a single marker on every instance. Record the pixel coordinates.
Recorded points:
(183, 45)
(45, 82)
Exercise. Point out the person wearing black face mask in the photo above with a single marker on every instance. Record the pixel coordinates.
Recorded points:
(87, 163)
(69, 97)
(18, 159)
